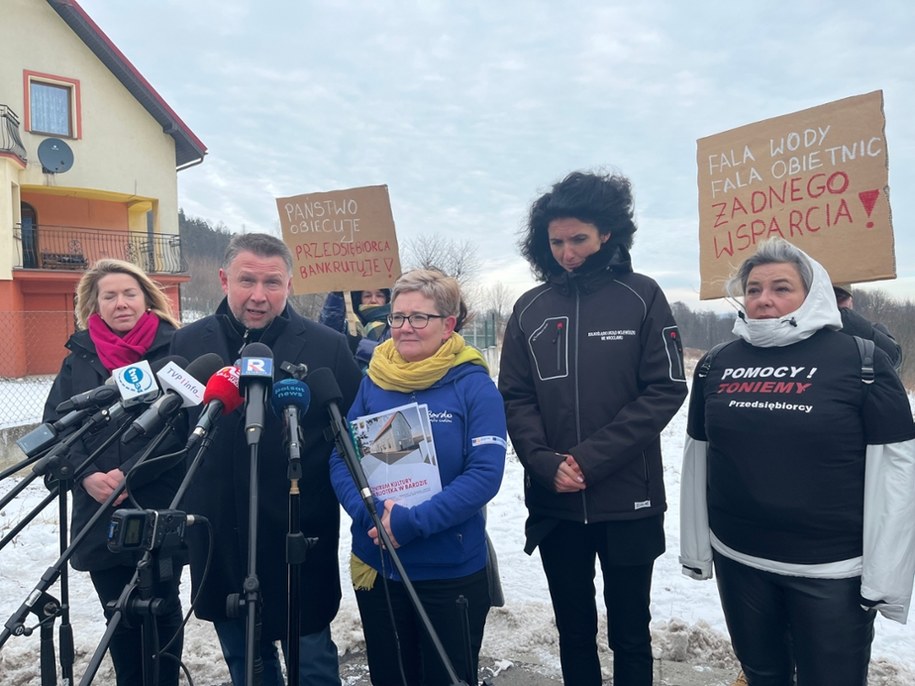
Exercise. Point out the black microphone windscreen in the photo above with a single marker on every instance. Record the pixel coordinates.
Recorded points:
(204, 367)
(324, 386)
(256, 365)
(159, 364)
(257, 350)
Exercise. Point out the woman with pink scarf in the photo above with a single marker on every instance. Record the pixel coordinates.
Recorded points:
(122, 317)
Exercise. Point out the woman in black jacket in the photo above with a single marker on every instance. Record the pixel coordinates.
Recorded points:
(591, 372)
(122, 317)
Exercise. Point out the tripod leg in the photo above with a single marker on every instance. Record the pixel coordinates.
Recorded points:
(48, 664)
(464, 615)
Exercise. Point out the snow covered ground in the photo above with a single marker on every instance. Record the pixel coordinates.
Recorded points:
(688, 624)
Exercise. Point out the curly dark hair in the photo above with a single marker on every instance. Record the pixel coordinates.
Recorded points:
(604, 200)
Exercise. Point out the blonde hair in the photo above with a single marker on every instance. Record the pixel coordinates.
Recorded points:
(442, 289)
(87, 291)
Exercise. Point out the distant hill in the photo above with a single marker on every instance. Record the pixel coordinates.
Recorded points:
(202, 247)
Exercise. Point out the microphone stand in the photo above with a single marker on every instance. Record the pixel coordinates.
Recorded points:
(15, 624)
(49, 461)
(9, 471)
(297, 547)
(255, 407)
(61, 471)
(139, 581)
(52, 459)
(341, 437)
(143, 580)
(48, 608)
(254, 666)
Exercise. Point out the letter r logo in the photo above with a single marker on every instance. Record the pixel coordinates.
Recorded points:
(257, 366)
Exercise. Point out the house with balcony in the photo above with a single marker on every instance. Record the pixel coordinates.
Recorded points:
(89, 157)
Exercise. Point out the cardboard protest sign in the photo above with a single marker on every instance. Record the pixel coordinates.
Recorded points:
(340, 240)
(818, 178)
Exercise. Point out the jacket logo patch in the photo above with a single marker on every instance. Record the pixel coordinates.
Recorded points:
(611, 334)
(444, 417)
(483, 440)
(641, 505)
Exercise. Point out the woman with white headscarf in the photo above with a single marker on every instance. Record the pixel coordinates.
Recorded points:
(798, 481)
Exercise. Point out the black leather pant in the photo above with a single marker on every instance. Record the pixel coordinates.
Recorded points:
(780, 623)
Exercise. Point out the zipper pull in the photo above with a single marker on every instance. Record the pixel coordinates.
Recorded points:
(244, 340)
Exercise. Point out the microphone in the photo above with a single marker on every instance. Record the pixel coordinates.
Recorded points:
(45, 435)
(105, 394)
(291, 393)
(291, 398)
(136, 383)
(221, 397)
(327, 392)
(182, 389)
(185, 382)
(256, 377)
(143, 387)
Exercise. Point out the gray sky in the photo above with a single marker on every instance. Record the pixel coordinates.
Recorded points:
(468, 110)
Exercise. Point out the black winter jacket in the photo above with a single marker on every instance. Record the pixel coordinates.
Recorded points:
(219, 489)
(81, 371)
(592, 366)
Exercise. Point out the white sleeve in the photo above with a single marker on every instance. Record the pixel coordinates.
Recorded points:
(889, 528)
(695, 541)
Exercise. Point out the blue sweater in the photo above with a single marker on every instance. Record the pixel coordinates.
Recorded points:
(443, 537)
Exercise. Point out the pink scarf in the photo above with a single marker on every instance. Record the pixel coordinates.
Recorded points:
(119, 351)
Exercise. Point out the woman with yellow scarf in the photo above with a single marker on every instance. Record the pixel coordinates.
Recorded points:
(439, 535)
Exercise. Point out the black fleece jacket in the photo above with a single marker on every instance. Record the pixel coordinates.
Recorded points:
(592, 366)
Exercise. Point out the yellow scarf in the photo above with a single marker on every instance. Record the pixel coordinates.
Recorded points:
(392, 372)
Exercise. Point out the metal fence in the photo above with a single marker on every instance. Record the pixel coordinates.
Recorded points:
(481, 331)
(31, 350)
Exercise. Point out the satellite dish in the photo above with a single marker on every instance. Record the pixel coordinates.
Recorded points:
(55, 156)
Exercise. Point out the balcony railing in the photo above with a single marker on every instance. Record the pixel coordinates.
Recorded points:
(10, 141)
(72, 248)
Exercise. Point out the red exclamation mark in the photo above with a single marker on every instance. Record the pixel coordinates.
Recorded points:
(869, 199)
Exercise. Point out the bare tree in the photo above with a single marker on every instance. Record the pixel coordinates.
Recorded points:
(457, 258)
(497, 300)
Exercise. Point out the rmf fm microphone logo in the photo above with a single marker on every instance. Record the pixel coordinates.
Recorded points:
(136, 378)
(257, 366)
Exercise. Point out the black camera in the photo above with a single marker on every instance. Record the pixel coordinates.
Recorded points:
(146, 530)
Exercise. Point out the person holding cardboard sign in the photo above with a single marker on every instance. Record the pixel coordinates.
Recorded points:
(798, 479)
(372, 307)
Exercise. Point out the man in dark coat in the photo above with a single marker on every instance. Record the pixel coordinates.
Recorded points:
(256, 278)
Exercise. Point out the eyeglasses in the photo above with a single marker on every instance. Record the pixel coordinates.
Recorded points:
(418, 320)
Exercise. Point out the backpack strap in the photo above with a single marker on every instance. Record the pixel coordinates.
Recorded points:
(866, 351)
(710, 356)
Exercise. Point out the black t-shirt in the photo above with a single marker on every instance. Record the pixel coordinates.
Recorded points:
(787, 429)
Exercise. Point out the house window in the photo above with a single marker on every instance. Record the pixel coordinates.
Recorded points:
(52, 105)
